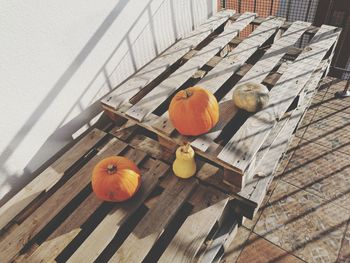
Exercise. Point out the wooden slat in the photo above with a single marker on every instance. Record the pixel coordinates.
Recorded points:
(311, 30)
(221, 239)
(243, 146)
(109, 226)
(151, 71)
(266, 146)
(160, 93)
(256, 190)
(209, 205)
(152, 147)
(256, 74)
(229, 65)
(11, 245)
(270, 59)
(148, 230)
(48, 178)
(71, 227)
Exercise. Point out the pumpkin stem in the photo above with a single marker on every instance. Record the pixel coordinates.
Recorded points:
(186, 147)
(188, 93)
(111, 168)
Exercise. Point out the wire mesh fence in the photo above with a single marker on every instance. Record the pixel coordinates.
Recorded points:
(332, 12)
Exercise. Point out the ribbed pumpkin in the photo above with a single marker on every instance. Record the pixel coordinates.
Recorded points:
(115, 179)
(194, 111)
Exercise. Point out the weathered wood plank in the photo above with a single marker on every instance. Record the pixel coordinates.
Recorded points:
(209, 205)
(270, 59)
(256, 191)
(71, 227)
(256, 74)
(148, 230)
(152, 147)
(11, 245)
(243, 146)
(109, 226)
(160, 93)
(221, 239)
(48, 178)
(228, 66)
(151, 71)
(125, 131)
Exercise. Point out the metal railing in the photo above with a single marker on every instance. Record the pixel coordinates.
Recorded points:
(318, 12)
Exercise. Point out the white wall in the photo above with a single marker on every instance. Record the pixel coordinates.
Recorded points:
(58, 58)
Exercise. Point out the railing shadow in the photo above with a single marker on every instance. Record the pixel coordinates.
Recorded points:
(69, 126)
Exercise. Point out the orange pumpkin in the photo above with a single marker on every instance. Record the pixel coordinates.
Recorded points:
(116, 179)
(194, 111)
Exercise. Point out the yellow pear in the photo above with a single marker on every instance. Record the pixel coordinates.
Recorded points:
(184, 165)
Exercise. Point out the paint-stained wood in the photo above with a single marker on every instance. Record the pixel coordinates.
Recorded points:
(158, 66)
(148, 230)
(160, 93)
(11, 245)
(152, 147)
(49, 177)
(208, 207)
(243, 146)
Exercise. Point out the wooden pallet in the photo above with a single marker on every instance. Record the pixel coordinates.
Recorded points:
(57, 217)
(62, 220)
(219, 63)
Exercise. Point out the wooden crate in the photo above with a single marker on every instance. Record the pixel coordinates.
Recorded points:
(214, 57)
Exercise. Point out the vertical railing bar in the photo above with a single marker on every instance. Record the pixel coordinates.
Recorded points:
(288, 9)
(271, 7)
(330, 12)
(308, 11)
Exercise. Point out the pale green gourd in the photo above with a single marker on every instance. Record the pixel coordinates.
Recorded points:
(184, 165)
(251, 96)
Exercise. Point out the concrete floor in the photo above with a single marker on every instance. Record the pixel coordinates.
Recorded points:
(306, 213)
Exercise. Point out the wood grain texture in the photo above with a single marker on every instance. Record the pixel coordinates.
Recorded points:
(222, 70)
(148, 230)
(256, 189)
(71, 226)
(209, 205)
(49, 177)
(274, 54)
(256, 74)
(155, 68)
(11, 245)
(160, 93)
(243, 146)
(222, 238)
(109, 226)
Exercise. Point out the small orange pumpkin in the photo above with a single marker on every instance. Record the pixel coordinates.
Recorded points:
(194, 111)
(115, 179)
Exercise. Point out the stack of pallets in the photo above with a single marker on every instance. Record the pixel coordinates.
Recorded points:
(56, 217)
(215, 58)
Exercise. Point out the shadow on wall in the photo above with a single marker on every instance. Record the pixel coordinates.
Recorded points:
(169, 12)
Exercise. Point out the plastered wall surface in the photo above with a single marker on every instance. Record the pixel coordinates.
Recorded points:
(58, 58)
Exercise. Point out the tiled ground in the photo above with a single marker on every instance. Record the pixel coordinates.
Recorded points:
(306, 214)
